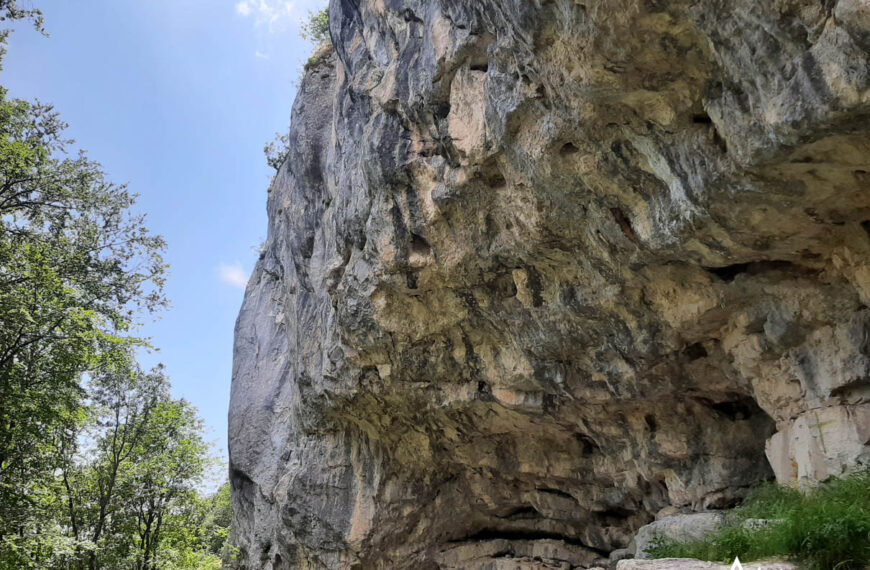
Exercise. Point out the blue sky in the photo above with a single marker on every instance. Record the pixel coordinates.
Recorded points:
(177, 98)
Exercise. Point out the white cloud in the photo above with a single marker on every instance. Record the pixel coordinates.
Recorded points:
(274, 15)
(243, 8)
(274, 20)
(233, 274)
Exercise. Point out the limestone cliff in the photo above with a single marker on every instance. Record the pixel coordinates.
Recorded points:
(537, 270)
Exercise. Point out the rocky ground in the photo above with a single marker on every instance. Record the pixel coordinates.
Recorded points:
(539, 270)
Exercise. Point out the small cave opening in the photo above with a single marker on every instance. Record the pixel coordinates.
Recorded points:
(487, 534)
(738, 409)
(695, 351)
(704, 120)
(441, 110)
(484, 391)
(555, 493)
(614, 513)
(588, 445)
(496, 180)
(735, 407)
(521, 513)
(857, 387)
(306, 247)
(503, 286)
(568, 149)
(484, 67)
(409, 16)
(265, 548)
(803, 160)
(624, 224)
(728, 273)
(239, 478)
(491, 175)
(419, 245)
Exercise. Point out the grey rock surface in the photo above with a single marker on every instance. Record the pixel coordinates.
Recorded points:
(678, 528)
(537, 270)
(620, 554)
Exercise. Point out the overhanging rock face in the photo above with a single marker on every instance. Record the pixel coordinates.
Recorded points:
(537, 270)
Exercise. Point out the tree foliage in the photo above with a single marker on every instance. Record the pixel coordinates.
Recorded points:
(100, 467)
(126, 496)
(76, 268)
(316, 28)
(276, 151)
(11, 11)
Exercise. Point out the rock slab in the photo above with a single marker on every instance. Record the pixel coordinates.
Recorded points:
(677, 528)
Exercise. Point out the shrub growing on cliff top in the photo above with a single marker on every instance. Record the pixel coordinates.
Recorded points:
(316, 29)
(276, 150)
(827, 528)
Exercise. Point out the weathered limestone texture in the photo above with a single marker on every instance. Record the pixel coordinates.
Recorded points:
(538, 270)
(679, 528)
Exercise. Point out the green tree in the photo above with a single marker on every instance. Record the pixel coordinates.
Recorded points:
(217, 519)
(131, 496)
(164, 481)
(197, 536)
(316, 28)
(10, 11)
(76, 269)
(99, 466)
(276, 151)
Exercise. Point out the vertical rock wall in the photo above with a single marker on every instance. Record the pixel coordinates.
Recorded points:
(539, 269)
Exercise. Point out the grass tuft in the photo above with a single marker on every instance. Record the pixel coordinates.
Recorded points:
(826, 528)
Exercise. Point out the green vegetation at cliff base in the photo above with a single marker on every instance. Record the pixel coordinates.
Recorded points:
(826, 528)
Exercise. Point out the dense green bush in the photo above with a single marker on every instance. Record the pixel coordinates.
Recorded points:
(828, 527)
